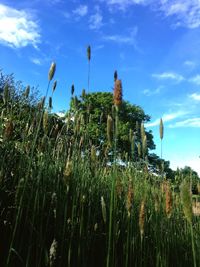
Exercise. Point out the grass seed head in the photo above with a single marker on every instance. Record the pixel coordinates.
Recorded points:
(45, 121)
(54, 86)
(144, 145)
(52, 71)
(115, 76)
(9, 128)
(27, 91)
(139, 150)
(89, 53)
(103, 209)
(109, 129)
(168, 200)
(142, 131)
(186, 200)
(129, 200)
(6, 94)
(93, 154)
(52, 253)
(118, 93)
(83, 93)
(161, 129)
(50, 102)
(72, 89)
(142, 218)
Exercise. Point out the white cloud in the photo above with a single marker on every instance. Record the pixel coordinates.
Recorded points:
(165, 118)
(17, 29)
(149, 92)
(194, 122)
(195, 79)
(195, 96)
(81, 11)
(123, 39)
(168, 76)
(185, 12)
(96, 21)
(190, 64)
(36, 61)
(123, 4)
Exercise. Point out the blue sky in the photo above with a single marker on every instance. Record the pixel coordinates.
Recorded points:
(153, 44)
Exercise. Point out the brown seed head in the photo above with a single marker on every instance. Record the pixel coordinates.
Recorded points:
(109, 129)
(129, 200)
(118, 93)
(9, 127)
(168, 200)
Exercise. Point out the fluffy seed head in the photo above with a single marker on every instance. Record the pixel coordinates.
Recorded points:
(161, 129)
(45, 121)
(142, 130)
(52, 253)
(144, 145)
(118, 93)
(52, 71)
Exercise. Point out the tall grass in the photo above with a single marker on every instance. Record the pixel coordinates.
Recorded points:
(62, 205)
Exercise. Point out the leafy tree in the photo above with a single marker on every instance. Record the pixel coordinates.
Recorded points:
(161, 165)
(95, 108)
(189, 174)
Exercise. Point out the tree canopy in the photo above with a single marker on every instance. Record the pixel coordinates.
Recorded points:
(95, 108)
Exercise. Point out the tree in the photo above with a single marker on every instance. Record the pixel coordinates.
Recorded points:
(161, 165)
(95, 108)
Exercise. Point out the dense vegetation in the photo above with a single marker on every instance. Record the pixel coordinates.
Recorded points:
(66, 199)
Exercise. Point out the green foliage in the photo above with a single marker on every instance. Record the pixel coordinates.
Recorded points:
(95, 107)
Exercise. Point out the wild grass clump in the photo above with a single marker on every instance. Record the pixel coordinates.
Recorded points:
(63, 203)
